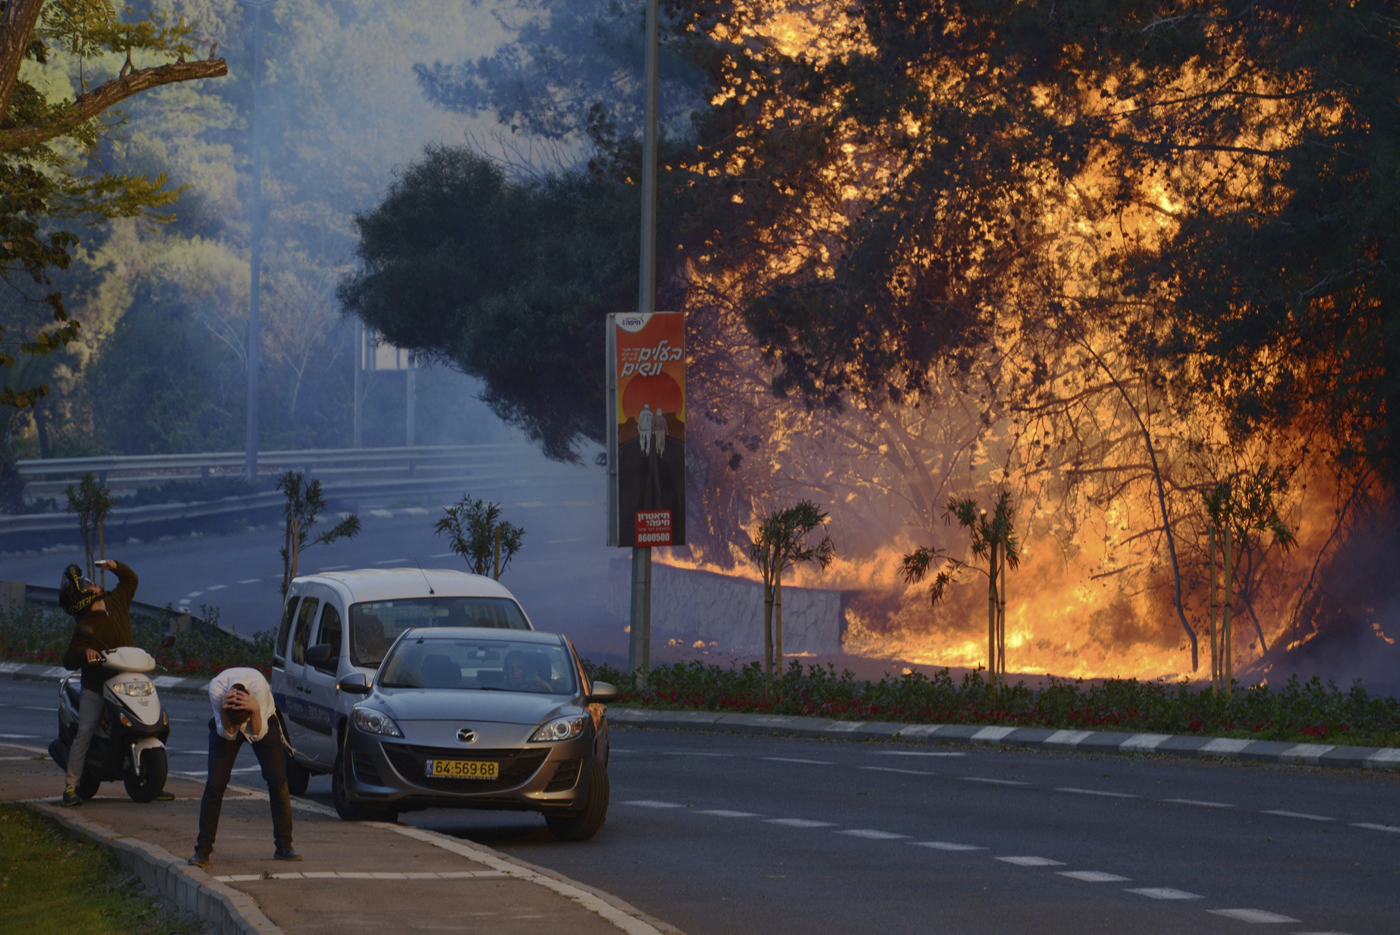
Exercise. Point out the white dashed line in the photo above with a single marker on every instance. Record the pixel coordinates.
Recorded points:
(193, 594)
(1032, 861)
(18, 736)
(800, 823)
(1199, 803)
(728, 813)
(894, 769)
(415, 511)
(217, 587)
(333, 568)
(691, 753)
(1251, 915)
(391, 561)
(1303, 815)
(648, 803)
(563, 541)
(872, 834)
(915, 753)
(1093, 876)
(443, 555)
(1164, 892)
(1374, 827)
(996, 782)
(1110, 795)
(530, 504)
(947, 846)
(250, 581)
(789, 759)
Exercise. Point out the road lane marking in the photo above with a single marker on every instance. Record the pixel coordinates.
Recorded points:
(333, 568)
(789, 759)
(1374, 827)
(894, 769)
(1093, 876)
(691, 753)
(250, 581)
(915, 753)
(1251, 915)
(193, 594)
(996, 782)
(391, 561)
(443, 555)
(563, 541)
(1032, 861)
(1199, 802)
(1111, 795)
(216, 587)
(1164, 892)
(1304, 815)
(800, 823)
(648, 803)
(36, 707)
(19, 736)
(947, 846)
(728, 813)
(530, 504)
(871, 834)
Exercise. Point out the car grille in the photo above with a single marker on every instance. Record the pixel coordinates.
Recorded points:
(565, 775)
(365, 770)
(517, 766)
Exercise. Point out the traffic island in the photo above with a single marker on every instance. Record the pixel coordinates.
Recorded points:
(354, 877)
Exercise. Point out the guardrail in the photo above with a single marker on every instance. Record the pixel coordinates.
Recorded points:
(180, 621)
(270, 461)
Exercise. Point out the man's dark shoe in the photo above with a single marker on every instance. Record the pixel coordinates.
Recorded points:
(286, 853)
(163, 796)
(71, 797)
(200, 859)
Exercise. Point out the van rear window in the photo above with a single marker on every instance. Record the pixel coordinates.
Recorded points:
(374, 625)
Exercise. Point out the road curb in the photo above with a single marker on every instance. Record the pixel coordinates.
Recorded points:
(29, 671)
(1306, 754)
(229, 911)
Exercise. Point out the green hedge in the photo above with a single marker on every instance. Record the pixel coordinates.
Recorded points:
(1296, 711)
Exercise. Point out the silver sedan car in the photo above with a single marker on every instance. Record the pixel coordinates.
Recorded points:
(478, 718)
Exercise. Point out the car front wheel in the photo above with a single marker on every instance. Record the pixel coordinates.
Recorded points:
(582, 824)
(346, 807)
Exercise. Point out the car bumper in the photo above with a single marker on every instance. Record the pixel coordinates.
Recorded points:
(389, 771)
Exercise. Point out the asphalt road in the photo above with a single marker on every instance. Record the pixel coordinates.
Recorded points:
(560, 575)
(724, 833)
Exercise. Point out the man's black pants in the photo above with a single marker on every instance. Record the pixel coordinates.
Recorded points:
(271, 757)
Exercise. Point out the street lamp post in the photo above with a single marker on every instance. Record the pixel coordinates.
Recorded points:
(250, 465)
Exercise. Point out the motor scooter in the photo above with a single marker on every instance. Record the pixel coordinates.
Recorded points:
(129, 743)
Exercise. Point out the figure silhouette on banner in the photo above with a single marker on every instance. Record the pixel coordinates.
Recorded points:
(644, 429)
(658, 433)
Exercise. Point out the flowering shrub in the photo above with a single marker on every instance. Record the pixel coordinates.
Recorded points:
(34, 633)
(1298, 711)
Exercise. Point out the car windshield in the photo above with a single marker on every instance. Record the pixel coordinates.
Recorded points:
(374, 625)
(482, 664)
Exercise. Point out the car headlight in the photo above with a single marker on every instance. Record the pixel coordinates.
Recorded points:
(564, 728)
(376, 722)
(134, 689)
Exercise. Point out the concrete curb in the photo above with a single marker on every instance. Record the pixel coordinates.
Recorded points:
(229, 911)
(41, 673)
(1307, 754)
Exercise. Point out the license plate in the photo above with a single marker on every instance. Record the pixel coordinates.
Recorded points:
(462, 769)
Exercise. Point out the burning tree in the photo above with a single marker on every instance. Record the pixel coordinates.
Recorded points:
(301, 512)
(781, 543)
(475, 531)
(994, 540)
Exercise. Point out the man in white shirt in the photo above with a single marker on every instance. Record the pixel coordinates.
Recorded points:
(644, 429)
(244, 710)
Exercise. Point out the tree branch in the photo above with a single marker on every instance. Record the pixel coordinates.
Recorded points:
(16, 27)
(89, 105)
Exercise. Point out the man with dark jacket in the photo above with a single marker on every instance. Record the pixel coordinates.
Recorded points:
(103, 623)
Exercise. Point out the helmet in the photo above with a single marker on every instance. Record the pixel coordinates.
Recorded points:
(73, 595)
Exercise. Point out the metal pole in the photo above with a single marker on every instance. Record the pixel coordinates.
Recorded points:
(639, 646)
(250, 466)
(412, 394)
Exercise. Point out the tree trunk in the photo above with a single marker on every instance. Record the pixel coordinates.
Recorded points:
(1229, 654)
(767, 625)
(992, 617)
(16, 27)
(1214, 633)
(778, 622)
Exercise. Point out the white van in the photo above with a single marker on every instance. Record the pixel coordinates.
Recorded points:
(342, 622)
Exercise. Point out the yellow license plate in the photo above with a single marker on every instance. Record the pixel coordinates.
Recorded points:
(462, 769)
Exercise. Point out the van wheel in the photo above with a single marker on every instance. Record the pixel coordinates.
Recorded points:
(583, 824)
(154, 767)
(346, 807)
(298, 776)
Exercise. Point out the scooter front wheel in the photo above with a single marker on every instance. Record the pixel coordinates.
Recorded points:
(154, 768)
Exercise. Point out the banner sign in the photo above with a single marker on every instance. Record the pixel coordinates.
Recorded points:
(646, 431)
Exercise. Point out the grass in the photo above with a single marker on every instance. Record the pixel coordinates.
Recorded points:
(1299, 712)
(38, 633)
(51, 884)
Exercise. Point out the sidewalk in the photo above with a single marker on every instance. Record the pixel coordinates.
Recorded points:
(355, 877)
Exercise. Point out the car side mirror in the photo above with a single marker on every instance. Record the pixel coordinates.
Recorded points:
(168, 642)
(603, 693)
(356, 683)
(322, 655)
